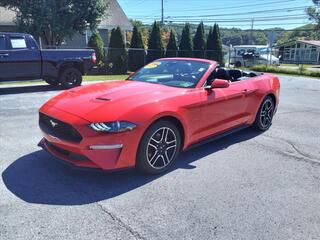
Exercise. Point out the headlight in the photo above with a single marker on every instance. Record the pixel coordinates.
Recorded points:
(113, 127)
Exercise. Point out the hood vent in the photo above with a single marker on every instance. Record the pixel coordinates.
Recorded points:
(103, 99)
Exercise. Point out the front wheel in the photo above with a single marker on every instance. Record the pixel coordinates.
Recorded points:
(52, 81)
(70, 77)
(159, 148)
(265, 114)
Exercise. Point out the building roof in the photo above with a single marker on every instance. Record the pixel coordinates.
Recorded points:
(250, 46)
(115, 17)
(7, 17)
(310, 42)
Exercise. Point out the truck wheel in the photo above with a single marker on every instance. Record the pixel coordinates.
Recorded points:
(70, 77)
(52, 81)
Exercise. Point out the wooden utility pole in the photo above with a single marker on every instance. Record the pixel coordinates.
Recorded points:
(251, 32)
(162, 13)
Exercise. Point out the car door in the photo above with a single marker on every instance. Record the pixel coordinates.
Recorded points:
(19, 59)
(252, 97)
(223, 109)
(4, 54)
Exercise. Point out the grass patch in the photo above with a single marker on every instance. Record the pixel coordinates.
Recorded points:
(297, 65)
(301, 71)
(85, 79)
(104, 77)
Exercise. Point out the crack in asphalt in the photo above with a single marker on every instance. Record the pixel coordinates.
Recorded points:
(303, 111)
(116, 219)
(299, 154)
(294, 147)
(299, 89)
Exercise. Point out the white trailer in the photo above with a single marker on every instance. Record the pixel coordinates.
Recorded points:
(248, 55)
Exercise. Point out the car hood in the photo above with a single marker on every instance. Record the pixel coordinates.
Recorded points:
(112, 99)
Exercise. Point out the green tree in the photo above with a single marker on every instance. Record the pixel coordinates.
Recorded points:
(300, 33)
(136, 41)
(210, 45)
(117, 54)
(136, 23)
(217, 45)
(186, 46)
(56, 20)
(136, 52)
(199, 42)
(97, 44)
(172, 46)
(314, 13)
(155, 45)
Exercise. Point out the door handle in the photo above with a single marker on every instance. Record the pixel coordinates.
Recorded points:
(4, 55)
(247, 91)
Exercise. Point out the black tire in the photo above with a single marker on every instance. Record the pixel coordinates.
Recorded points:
(158, 148)
(52, 81)
(238, 64)
(70, 77)
(265, 114)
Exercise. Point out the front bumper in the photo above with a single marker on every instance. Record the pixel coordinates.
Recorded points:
(86, 159)
(95, 150)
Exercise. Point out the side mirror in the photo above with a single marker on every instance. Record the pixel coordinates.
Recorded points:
(218, 83)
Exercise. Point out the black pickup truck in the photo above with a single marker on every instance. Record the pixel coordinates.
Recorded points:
(21, 58)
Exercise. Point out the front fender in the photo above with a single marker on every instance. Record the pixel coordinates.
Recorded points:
(147, 115)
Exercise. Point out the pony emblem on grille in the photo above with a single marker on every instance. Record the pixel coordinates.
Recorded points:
(53, 124)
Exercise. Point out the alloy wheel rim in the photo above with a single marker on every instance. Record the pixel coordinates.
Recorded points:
(266, 114)
(161, 148)
(71, 78)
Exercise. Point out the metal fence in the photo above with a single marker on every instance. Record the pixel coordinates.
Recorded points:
(120, 61)
(115, 60)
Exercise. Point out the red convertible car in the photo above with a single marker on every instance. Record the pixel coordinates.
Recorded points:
(164, 108)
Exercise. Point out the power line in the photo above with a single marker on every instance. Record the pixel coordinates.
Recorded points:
(245, 13)
(267, 24)
(232, 19)
(293, 9)
(219, 18)
(237, 20)
(268, 30)
(235, 6)
(242, 25)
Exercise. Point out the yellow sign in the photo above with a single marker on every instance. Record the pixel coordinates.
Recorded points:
(152, 65)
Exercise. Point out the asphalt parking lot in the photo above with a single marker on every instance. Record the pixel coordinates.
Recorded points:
(244, 186)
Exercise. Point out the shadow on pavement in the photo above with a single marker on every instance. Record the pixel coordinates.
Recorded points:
(28, 89)
(36, 178)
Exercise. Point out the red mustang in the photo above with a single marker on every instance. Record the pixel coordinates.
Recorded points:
(162, 109)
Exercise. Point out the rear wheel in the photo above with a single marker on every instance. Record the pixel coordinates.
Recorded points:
(70, 77)
(265, 114)
(158, 148)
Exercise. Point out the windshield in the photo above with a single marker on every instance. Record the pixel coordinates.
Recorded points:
(264, 51)
(175, 73)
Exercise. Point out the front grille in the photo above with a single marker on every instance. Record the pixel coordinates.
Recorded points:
(58, 129)
(70, 155)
